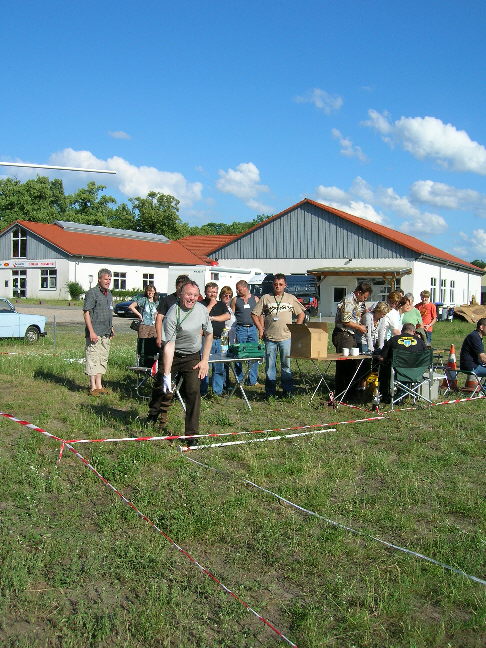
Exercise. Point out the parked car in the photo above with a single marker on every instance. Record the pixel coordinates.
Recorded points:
(121, 308)
(20, 325)
(304, 287)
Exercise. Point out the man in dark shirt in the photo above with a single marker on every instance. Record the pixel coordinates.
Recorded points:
(473, 357)
(218, 314)
(407, 340)
(98, 317)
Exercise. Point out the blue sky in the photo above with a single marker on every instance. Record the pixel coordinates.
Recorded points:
(242, 108)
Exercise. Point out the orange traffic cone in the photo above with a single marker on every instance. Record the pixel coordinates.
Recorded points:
(471, 384)
(450, 381)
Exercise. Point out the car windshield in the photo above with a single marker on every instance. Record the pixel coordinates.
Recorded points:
(6, 307)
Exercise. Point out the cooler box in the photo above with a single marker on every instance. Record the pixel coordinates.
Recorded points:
(309, 340)
(246, 350)
(431, 391)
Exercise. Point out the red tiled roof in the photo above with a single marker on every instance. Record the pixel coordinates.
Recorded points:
(203, 245)
(110, 247)
(410, 242)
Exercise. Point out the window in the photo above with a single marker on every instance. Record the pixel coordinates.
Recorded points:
(48, 279)
(19, 283)
(381, 289)
(19, 243)
(147, 279)
(119, 281)
(433, 290)
(443, 291)
(338, 293)
(451, 292)
(214, 276)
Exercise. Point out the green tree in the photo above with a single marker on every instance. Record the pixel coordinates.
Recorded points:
(122, 217)
(89, 207)
(40, 200)
(479, 262)
(159, 213)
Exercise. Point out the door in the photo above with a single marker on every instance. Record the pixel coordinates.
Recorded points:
(19, 283)
(339, 293)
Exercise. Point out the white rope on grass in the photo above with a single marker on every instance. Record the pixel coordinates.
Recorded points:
(275, 438)
(344, 526)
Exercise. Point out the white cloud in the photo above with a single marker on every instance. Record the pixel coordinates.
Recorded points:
(347, 147)
(424, 223)
(443, 195)
(244, 183)
(132, 180)
(343, 201)
(119, 135)
(322, 100)
(429, 137)
(366, 202)
(477, 242)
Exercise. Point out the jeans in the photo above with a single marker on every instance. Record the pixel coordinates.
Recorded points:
(247, 334)
(217, 373)
(271, 350)
(480, 371)
(428, 337)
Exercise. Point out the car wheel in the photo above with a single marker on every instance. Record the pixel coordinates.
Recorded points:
(32, 334)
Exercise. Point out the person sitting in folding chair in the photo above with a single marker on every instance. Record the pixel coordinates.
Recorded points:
(410, 343)
(473, 357)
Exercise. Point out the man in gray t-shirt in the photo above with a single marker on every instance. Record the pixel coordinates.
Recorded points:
(185, 327)
(98, 317)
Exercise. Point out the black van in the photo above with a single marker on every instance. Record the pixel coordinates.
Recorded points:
(304, 287)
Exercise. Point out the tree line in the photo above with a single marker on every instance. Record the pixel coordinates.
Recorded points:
(44, 201)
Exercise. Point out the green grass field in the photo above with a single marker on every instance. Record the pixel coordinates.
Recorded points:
(80, 569)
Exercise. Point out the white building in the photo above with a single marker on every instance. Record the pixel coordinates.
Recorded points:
(341, 249)
(38, 259)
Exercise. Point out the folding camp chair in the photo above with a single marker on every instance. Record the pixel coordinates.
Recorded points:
(409, 371)
(475, 385)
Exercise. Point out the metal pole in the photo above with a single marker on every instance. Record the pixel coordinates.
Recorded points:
(60, 168)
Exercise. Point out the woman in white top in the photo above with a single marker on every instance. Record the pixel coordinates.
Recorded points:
(374, 321)
(392, 324)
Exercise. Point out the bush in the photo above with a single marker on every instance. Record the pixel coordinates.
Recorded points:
(75, 290)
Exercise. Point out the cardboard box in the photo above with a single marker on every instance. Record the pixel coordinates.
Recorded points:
(309, 340)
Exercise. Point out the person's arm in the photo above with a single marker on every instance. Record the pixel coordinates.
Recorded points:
(203, 364)
(233, 304)
(158, 329)
(87, 320)
(133, 308)
(168, 357)
(382, 326)
(300, 318)
(220, 318)
(257, 321)
(368, 322)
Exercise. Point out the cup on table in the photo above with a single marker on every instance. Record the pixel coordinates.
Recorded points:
(354, 351)
(345, 352)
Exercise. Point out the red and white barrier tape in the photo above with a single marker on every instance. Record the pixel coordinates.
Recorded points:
(173, 437)
(344, 526)
(31, 426)
(173, 543)
(275, 438)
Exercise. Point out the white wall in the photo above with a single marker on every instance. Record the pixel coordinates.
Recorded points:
(466, 286)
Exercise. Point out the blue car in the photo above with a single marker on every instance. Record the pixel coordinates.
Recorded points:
(20, 325)
(121, 308)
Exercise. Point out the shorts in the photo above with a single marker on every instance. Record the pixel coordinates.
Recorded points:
(97, 356)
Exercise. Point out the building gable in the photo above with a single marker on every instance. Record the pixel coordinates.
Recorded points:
(310, 231)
